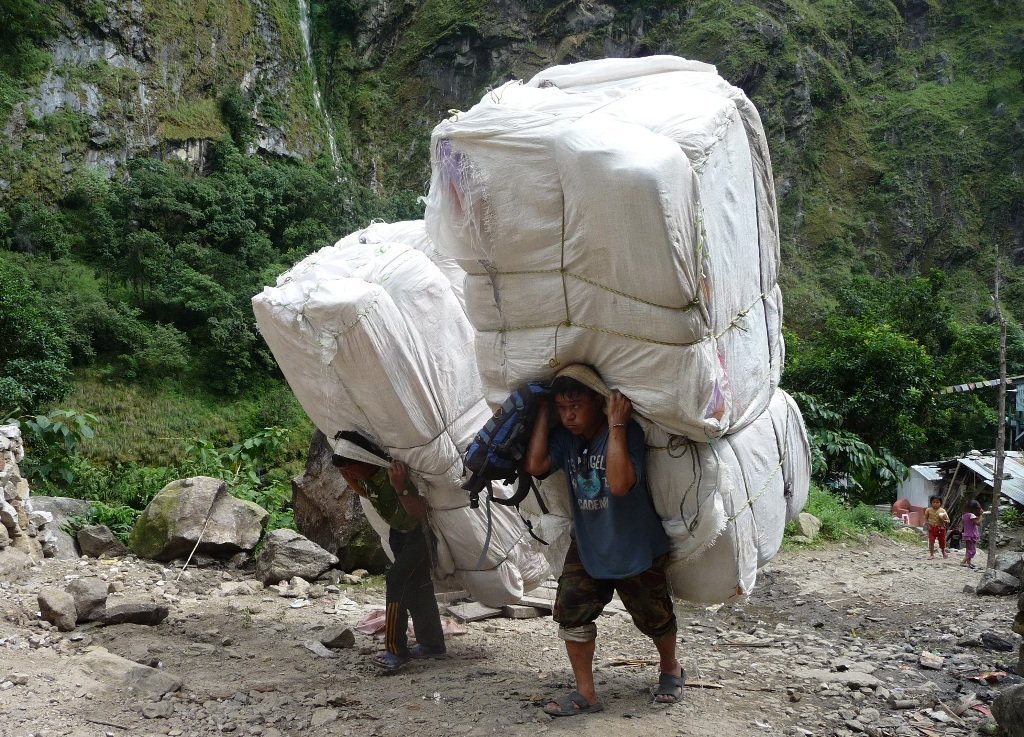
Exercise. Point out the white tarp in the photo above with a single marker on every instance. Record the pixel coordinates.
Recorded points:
(371, 337)
(618, 213)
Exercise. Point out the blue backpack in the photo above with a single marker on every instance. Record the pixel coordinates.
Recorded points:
(498, 451)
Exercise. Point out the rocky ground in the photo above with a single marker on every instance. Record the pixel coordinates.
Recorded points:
(830, 644)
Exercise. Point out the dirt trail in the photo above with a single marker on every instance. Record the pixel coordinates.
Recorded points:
(828, 642)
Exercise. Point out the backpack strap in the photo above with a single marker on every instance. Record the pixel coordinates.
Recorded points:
(524, 485)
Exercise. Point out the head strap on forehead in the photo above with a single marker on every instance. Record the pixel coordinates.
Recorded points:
(586, 376)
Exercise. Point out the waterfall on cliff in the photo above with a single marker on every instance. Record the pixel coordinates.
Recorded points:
(308, 46)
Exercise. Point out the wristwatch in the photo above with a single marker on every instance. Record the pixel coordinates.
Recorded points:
(404, 492)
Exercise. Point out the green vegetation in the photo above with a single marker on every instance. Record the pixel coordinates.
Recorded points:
(894, 131)
(841, 521)
(119, 520)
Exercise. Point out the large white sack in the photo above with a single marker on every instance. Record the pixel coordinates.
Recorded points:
(371, 337)
(618, 213)
(382, 347)
(749, 484)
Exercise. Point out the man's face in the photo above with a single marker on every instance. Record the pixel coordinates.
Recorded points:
(581, 414)
(355, 472)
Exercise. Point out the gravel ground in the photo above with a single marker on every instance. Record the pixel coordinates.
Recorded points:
(829, 644)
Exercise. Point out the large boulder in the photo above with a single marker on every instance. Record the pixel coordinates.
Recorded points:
(328, 512)
(1012, 563)
(286, 554)
(113, 670)
(197, 509)
(997, 583)
(1008, 710)
(90, 595)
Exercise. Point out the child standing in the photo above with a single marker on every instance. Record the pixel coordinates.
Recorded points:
(972, 531)
(936, 520)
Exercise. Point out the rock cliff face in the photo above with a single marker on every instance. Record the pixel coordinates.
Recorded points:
(893, 124)
(162, 78)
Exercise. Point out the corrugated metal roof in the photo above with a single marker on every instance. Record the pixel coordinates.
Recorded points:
(1013, 473)
(927, 471)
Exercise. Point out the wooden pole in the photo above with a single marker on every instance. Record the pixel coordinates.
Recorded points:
(997, 469)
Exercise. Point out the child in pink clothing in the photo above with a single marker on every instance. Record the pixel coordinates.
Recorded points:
(972, 531)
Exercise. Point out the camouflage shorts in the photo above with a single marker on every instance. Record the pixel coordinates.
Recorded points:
(580, 598)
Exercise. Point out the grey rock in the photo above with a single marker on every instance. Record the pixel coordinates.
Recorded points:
(326, 510)
(58, 607)
(62, 508)
(318, 649)
(323, 717)
(808, 525)
(1012, 563)
(13, 564)
(287, 554)
(158, 710)
(137, 613)
(1008, 710)
(852, 678)
(997, 583)
(994, 642)
(97, 541)
(114, 670)
(342, 638)
(90, 595)
(197, 510)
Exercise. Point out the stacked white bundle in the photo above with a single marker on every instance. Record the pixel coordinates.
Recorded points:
(371, 337)
(618, 213)
(743, 488)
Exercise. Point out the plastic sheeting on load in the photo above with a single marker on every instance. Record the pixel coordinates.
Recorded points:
(371, 337)
(618, 213)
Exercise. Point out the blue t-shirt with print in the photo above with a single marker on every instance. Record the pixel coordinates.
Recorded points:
(617, 536)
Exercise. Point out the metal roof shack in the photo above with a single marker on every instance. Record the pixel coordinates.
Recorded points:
(972, 477)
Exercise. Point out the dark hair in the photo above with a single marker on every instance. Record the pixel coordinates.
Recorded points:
(362, 441)
(566, 386)
(933, 497)
(974, 507)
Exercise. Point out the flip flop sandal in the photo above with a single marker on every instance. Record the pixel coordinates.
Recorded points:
(388, 661)
(423, 651)
(571, 704)
(670, 688)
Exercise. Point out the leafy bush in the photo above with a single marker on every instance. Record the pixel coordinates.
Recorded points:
(839, 520)
(35, 358)
(119, 519)
(53, 440)
(243, 466)
(839, 457)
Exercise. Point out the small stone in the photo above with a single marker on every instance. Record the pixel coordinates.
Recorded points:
(343, 638)
(930, 660)
(159, 710)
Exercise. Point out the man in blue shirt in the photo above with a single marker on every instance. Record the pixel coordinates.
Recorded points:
(618, 545)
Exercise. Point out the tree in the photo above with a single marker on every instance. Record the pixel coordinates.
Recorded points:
(35, 361)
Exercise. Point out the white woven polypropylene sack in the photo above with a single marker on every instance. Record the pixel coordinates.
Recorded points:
(749, 484)
(371, 337)
(618, 213)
